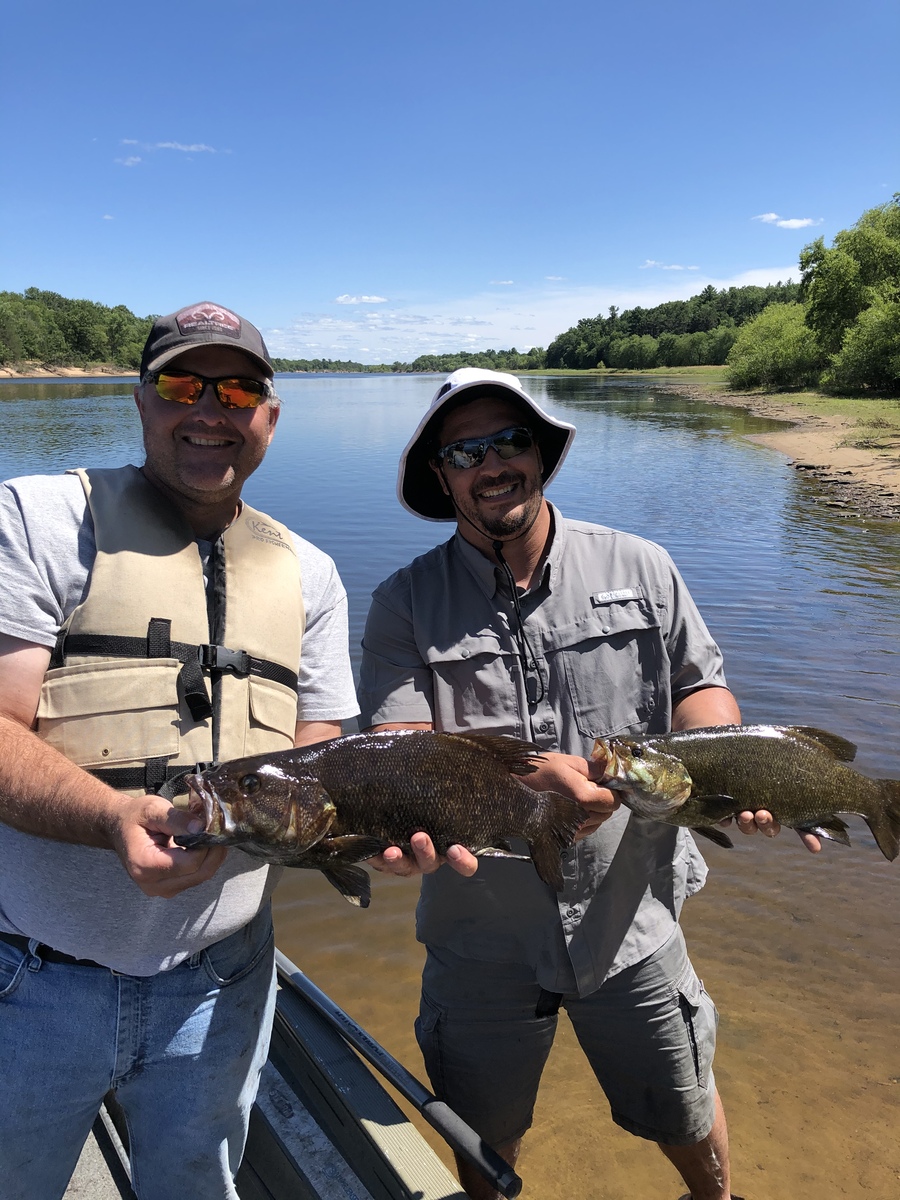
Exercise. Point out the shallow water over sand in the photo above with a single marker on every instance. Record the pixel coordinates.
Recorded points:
(798, 952)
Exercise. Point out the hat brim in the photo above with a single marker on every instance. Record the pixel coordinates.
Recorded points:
(167, 356)
(418, 487)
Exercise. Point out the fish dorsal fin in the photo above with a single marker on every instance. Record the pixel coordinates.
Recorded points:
(841, 749)
(516, 755)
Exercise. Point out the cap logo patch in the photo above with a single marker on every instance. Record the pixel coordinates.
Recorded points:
(203, 318)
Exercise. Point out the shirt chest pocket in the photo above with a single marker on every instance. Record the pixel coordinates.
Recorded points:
(614, 662)
(474, 684)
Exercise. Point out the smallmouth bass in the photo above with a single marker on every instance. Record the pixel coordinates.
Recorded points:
(336, 803)
(696, 777)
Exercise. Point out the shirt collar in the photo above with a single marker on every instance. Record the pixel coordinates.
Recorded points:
(484, 571)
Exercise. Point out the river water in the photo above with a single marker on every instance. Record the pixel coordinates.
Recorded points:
(800, 952)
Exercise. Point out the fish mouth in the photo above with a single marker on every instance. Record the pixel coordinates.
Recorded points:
(203, 801)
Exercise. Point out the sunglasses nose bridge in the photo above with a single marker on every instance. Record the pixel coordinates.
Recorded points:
(207, 404)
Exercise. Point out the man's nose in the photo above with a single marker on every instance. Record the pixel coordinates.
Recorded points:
(208, 402)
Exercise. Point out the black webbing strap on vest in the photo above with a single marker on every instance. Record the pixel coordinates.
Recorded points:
(194, 659)
(156, 776)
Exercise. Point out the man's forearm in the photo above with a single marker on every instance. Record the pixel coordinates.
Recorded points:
(41, 792)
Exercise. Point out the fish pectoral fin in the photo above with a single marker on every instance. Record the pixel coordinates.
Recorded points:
(833, 829)
(842, 750)
(517, 756)
(352, 882)
(501, 851)
(715, 835)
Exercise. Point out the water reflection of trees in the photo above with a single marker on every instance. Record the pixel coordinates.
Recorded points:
(636, 399)
(53, 428)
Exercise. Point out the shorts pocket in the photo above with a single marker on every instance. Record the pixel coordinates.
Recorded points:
(236, 956)
(427, 1027)
(13, 965)
(700, 1021)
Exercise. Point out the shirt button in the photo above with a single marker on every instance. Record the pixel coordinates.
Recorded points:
(605, 629)
(464, 653)
(571, 912)
(543, 727)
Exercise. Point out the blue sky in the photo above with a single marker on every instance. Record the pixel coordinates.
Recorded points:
(376, 181)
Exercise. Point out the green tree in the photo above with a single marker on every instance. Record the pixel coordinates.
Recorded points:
(861, 268)
(775, 350)
(870, 354)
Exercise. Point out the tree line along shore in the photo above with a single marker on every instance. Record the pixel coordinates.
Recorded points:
(837, 329)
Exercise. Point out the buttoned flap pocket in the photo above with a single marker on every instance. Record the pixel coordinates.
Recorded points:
(273, 709)
(119, 711)
(474, 676)
(700, 1021)
(612, 657)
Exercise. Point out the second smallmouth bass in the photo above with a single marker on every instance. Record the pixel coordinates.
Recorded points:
(339, 802)
(696, 777)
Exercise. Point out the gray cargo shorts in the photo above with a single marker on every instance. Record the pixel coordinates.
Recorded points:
(649, 1034)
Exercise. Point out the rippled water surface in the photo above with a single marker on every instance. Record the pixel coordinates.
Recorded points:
(799, 952)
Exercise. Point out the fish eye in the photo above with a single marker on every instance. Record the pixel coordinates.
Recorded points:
(249, 784)
(637, 751)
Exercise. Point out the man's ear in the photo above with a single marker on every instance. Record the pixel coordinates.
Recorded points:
(436, 467)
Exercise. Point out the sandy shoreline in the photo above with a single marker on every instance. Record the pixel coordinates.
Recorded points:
(37, 374)
(858, 480)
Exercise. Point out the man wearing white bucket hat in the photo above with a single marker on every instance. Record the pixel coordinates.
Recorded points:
(555, 631)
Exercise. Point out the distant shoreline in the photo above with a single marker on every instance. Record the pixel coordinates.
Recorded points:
(857, 479)
(36, 374)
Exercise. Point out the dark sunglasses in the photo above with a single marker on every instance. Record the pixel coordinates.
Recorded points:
(232, 392)
(470, 452)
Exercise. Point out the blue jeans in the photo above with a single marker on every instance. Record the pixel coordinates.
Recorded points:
(183, 1050)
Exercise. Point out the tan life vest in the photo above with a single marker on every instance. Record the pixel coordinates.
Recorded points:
(139, 688)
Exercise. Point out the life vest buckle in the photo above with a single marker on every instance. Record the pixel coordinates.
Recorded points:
(220, 658)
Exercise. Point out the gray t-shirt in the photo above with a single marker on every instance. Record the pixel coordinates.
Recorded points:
(618, 641)
(79, 899)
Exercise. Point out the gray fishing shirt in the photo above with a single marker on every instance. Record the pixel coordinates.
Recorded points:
(618, 641)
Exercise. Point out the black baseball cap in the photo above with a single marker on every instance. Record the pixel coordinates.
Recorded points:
(203, 324)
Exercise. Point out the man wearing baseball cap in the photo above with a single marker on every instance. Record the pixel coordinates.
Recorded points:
(150, 620)
(555, 631)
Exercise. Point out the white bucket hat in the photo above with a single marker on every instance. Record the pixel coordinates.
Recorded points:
(418, 488)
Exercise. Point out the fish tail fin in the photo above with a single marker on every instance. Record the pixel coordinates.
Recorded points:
(885, 824)
(563, 818)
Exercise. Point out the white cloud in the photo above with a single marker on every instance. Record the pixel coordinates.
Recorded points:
(152, 147)
(194, 148)
(555, 278)
(788, 222)
(131, 161)
(107, 217)
(523, 318)
(502, 282)
(345, 299)
(651, 262)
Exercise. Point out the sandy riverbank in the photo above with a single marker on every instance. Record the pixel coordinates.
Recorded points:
(39, 373)
(860, 480)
